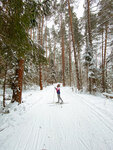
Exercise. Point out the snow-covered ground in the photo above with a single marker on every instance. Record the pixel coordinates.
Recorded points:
(83, 122)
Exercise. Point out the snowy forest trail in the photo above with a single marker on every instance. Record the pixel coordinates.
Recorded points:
(74, 125)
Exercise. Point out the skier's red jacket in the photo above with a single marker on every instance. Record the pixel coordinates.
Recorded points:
(58, 90)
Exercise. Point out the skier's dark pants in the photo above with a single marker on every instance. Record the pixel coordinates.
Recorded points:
(59, 98)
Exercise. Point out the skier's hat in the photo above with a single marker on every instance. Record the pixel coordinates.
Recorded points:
(58, 85)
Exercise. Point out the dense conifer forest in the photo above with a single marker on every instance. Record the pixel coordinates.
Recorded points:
(43, 42)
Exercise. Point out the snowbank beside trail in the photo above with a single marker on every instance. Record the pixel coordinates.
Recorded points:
(104, 105)
(16, 112)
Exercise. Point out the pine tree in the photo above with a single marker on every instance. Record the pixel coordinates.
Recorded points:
(105, 23)
(90, 54)
(75, 53)
(16, 19)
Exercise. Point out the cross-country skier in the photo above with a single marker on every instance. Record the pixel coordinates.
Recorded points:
(58, 94)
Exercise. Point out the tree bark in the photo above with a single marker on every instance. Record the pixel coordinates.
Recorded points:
(87, 78)
(89, 23)
(73, 40)
(79, 65)
(42, 30)
(112, 78)
(70, 65)
(40, 77)
(103, 84)
(90, 40)
(41, 43)
(106, 33)
(20, 72)
(87, 66)
(46, 38)
(104, 58)
(4, 86)
(63, 57)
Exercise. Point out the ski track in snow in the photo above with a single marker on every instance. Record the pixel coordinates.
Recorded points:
(74, 125)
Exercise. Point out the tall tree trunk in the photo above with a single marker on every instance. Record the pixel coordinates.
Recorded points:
(70, 66)
(87, 66)
(20, 72)
(40, 77)
(112, 78)
(90, 85)
(112, 71)
(103, 82)
(46, 38)
(45, 75)
(104, 60)
(73, 40)
(87, 78)
(106, 74)
(41, 43)
(90, 39)
(79, 64)
(4, 86)
(63, 57)
(106, 32)
(89, 23)
(42, 30)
